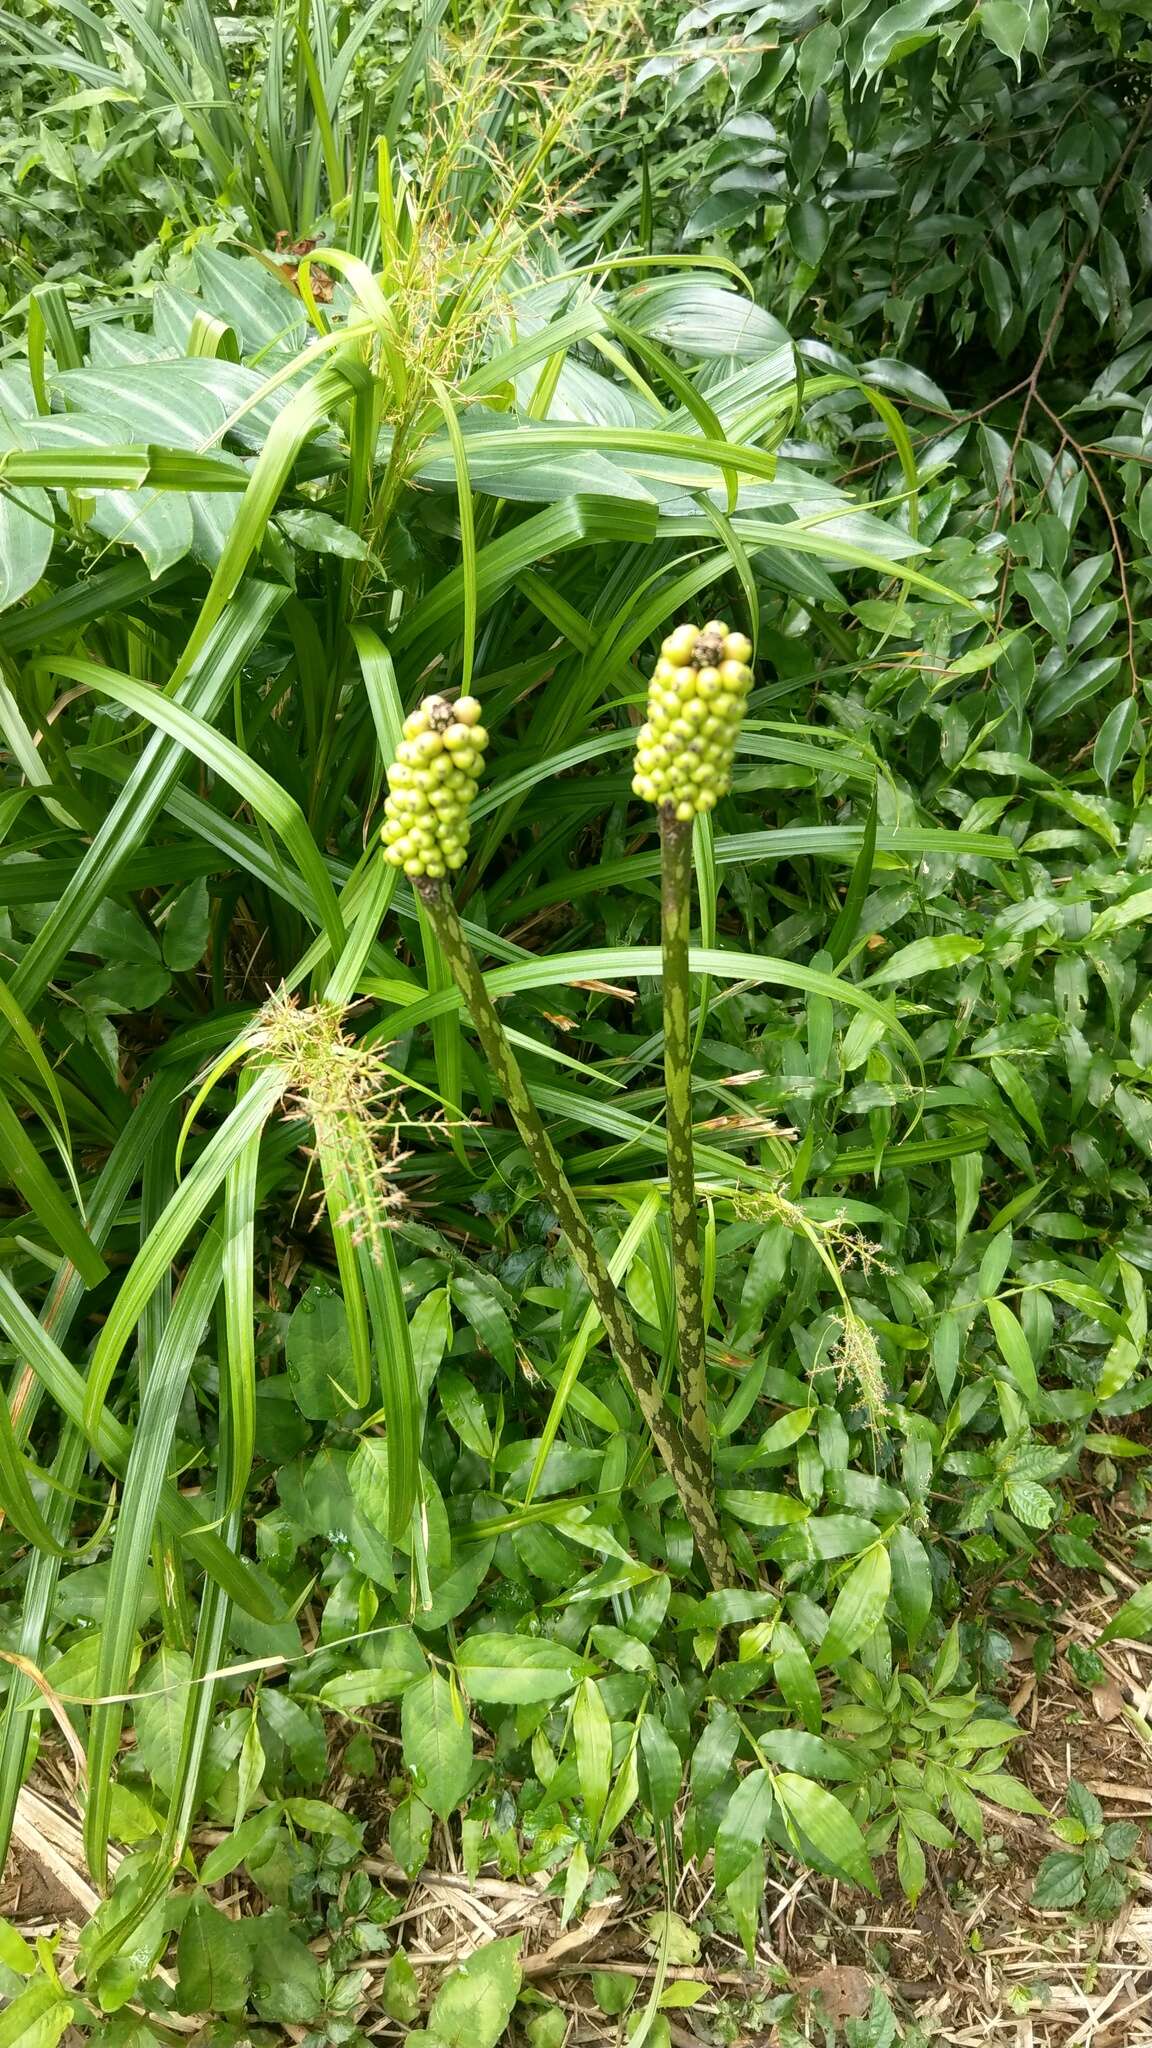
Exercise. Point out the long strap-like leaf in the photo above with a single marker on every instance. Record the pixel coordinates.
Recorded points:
(144, 1482)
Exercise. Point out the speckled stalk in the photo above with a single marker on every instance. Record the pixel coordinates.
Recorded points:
(689, 1470)
(675, 917)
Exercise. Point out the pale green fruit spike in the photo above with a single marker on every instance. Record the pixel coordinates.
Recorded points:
(696, 702)
(431, 784)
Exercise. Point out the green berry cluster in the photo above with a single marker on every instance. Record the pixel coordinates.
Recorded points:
(431, 784)
(696, 701)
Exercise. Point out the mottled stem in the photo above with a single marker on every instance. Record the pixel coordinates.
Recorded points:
(675, 915)
(688, 1470)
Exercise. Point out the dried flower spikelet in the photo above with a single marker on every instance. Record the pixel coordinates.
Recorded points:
(844, 1242)
(859, 1365)
(431, 784)
(696, 703)
(348, 1093)
(327, 1072)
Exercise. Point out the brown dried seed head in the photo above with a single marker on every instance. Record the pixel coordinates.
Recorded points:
(441, 714)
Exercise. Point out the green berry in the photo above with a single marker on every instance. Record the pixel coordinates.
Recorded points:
(696, 702)
(678, 646)
(431, 784)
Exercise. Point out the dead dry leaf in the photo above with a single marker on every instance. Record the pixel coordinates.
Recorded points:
(1107, 1700)
(844, 1993)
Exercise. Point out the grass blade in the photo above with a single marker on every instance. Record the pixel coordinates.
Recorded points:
(164, 1243)
(143, 1486)
(222, 653)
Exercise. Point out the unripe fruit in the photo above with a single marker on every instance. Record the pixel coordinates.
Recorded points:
(431, 784)
(678, 646)
(696, 701)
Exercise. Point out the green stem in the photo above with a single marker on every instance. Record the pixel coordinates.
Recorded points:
(675, 916)
(689, 1471)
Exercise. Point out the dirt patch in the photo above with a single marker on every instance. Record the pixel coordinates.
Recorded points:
(32, 1895)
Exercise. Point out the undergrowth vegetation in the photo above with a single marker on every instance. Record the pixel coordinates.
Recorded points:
(583, 1324)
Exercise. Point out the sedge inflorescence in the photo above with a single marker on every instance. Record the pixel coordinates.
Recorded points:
(431, 784)
(696, 701)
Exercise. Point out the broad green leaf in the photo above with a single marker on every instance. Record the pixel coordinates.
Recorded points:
(763, 1510)
(660, 1768)
(1032, 1504)
(1004, 1790)
(487, 1317)
(925, 956)
(900, 30)
(15, 1953)
(1014, 1350)
(819, 1816)
(794, 1674)
(1047, 600)
(809, 1754)
(317, 1354)
(213, 1963)
(592, 1734)
(911, 1863)
(859, 1606)
(437, 1742)
(37, 2017)
(162, 1690)
(410, 1834)
(613, 1991)
(745, 1901)
(1005, 23)
(782, 1434)
(319, 1817)
(911, 1582)
(714, 1752)
(27, 529)
(1060, 1882)
(465, 1411)
(248, 1839)
(742, 1830)
(516, 1670)
(287, 1985)
(400, 1990)
(1132, 1621)
(475, 2000)
(1117, 732)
